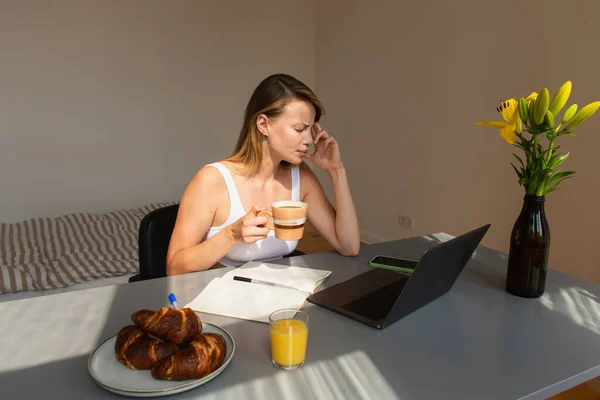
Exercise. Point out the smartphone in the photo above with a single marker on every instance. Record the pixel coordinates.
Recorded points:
(393, 263)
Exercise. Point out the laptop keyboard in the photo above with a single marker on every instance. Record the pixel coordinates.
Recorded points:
(377, 304)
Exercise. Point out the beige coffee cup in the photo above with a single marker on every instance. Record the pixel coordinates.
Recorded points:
(288, 218)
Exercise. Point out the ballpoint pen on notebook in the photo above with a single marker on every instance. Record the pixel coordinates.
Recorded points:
(173, 301)
(250, 280)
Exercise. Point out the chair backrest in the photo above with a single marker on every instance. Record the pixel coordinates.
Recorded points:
(153, 240)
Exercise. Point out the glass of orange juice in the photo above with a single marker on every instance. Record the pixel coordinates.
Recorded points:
(289, 334)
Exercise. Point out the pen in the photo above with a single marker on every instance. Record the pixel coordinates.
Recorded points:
(173, 301)
(250, 280)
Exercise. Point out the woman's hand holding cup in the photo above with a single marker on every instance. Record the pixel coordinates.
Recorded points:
(251, 227)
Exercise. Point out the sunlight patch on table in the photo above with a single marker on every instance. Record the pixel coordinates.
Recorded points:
(582, 307)
(42, 338)
(347, 377)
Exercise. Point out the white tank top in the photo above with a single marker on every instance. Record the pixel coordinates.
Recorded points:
(269, 248)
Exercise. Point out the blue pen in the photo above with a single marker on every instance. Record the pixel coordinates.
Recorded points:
(173, 301)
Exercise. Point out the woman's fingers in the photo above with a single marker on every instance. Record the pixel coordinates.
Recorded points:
(329, 140)
(256, 209)
(319, 136)
(324, 143)
(316, 129)
(256, 221)
(320, 133)
(256, 231)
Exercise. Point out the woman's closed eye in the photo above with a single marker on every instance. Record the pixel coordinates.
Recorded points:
(301, 128)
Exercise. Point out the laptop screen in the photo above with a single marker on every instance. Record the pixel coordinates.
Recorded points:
(370, 295)
(378, 304)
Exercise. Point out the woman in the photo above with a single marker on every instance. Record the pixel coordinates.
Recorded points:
(218, 223)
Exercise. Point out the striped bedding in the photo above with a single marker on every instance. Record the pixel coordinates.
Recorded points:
(51, 253)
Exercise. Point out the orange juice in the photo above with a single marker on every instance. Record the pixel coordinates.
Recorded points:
(288, 342)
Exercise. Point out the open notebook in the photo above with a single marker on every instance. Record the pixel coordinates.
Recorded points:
(254, 301)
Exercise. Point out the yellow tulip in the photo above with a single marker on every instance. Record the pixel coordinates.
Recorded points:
(512, 122)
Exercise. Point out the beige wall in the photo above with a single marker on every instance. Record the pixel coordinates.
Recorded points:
(108, 104)
(404, 83)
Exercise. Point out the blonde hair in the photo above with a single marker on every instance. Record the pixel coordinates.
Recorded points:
(269, 98)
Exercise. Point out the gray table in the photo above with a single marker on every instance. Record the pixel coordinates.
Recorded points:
(476, 342)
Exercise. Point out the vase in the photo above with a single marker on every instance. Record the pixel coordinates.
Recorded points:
(529, 250)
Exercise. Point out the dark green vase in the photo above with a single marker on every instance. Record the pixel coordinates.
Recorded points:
(529, 250)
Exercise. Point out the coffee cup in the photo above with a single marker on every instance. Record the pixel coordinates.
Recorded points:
(288, 218)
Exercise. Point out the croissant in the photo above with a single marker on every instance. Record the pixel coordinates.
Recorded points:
(170, 325)
(200, 358)
(137, 350)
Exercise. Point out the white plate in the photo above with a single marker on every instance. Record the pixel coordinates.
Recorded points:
(117, 378)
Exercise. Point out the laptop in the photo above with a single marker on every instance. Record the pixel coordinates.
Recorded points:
(381, 297)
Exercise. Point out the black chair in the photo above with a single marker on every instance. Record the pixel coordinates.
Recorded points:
(153, 241)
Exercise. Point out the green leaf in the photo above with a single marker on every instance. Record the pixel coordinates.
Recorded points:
(551, 151)
(520, 146)
(553, 187)
(533, 185)
(559, 181)
(519, 158)
(562, 175)
(544, 185)
(558, 161)
(519, 174)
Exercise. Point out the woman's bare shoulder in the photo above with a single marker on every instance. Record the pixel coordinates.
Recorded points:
(207, 179)
(233, 167)
(207, 176)
(306, 173)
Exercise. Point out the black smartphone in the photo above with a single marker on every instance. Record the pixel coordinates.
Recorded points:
(404, 265)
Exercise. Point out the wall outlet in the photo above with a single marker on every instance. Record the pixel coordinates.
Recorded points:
(405, 222)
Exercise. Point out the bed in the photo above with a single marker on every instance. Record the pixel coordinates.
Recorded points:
(41, 256)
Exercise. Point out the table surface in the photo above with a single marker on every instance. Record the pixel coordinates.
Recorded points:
(475, 342)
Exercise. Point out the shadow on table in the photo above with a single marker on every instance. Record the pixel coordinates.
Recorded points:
(250, 375)
(359, 359)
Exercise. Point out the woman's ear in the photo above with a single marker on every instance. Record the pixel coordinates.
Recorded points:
(262, 123)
